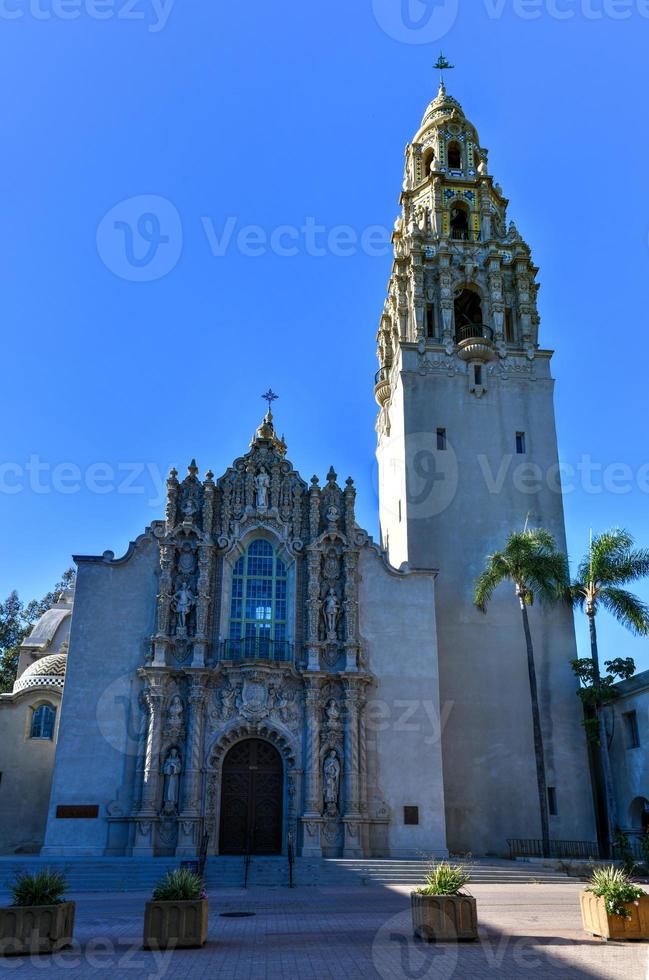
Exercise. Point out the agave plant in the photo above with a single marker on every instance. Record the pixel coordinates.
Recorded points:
(445, 879)
(616, 888)
(180, 885)
(44, 887)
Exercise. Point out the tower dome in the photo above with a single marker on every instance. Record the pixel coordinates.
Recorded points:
(46, 672)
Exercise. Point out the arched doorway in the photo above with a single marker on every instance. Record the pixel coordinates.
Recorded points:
(251, 799)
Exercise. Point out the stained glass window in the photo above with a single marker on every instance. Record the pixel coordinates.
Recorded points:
(259, 599)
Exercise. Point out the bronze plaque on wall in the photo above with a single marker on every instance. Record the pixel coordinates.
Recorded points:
(77, 812)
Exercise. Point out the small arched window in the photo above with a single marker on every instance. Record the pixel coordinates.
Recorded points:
(258, 611)
(42, 725)
(454, 156)
(460, 222)
(468, 316)
(427, 159)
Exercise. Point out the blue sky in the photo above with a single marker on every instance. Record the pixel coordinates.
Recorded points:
(290, 114)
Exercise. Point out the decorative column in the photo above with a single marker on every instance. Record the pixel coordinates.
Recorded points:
(352, 817)
(189, 818)
(147, 815)
(313, 813)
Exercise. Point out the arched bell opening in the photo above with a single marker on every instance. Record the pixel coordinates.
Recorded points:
(460, 227)
(468, 316)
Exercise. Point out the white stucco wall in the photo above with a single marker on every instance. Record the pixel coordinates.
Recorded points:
(489, 770)
(112, 621)
(397, 625)
(630, 765)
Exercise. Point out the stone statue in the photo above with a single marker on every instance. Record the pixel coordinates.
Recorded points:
(333, 715)
(171, 770)
(175, 712)
(331, 612)
(262, 483)
(184, 602)
(228, 702)
(331, 781)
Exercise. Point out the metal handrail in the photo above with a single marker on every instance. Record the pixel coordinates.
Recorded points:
(246, 868)
(383, 374)
(531, 847)
(257, 648)
(291, 859)
(471, 331)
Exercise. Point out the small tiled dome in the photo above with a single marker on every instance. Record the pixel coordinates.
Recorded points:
(45, 672)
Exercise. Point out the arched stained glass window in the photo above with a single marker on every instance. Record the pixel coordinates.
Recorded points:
(258, 611)
(42, 725)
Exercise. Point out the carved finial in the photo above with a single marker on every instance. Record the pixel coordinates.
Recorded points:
(192, 469)
(314, 481)
(209, 477)
(332, 476)
(173, 473)
(349, 483)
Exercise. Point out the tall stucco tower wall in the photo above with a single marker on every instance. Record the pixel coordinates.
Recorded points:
(467, 452)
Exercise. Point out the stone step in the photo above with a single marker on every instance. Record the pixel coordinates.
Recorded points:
(141, 874)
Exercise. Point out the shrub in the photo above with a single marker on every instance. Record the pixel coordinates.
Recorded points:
(624, 852)
(445, 879)
(181, 885)
(45, 887)
(616, 888)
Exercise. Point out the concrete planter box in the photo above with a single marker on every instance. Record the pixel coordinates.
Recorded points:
(444, 918)
(175, 924)
(600, 923)
(36, 928)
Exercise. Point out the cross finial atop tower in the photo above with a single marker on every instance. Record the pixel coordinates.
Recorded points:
(270, 397)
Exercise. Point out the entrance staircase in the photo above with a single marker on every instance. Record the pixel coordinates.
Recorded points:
(124, 874)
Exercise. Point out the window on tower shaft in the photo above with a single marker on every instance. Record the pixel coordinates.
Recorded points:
(520, 443)
(509, 325)
(430, 321)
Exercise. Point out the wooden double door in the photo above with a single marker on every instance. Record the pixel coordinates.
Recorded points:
(252, 788)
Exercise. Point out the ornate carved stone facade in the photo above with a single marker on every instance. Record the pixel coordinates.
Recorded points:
(203, 691)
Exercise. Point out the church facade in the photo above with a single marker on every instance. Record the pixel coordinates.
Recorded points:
(256, 672)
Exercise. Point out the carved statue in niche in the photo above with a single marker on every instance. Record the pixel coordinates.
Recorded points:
(262, 483)
(184, 602)
(172, 770)
(331, 772)
(332, 714)
(286, 708)
(331, 613)
(175, 712)
(228, 705)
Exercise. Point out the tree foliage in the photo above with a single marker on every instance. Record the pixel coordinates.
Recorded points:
(16, 622)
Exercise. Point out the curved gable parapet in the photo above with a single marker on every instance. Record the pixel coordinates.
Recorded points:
(153, 531)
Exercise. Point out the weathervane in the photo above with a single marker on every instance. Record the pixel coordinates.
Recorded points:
(443, 65)
(270, 397)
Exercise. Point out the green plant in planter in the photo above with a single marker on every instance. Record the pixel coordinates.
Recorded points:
(616, 888)
(445, 879)
(181, 885)
(45, 887)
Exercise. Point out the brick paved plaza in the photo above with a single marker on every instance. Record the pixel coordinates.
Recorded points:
(334, 933)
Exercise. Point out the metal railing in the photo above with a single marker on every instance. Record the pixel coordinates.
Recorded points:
(568, 849)
(290, 854)
(383, 374)
(472, 331)
(256, 648)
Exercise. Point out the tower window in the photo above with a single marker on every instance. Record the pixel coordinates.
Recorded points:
(411, 816)
(460, 223)
(552, 801)
(477, 375)
(441, 440)
(631, 732)
(430, 321)
(509, 325)
(520, 443)
(454, 156)
(468, 316)
(428, 158)
(42, 724)
(399, 512)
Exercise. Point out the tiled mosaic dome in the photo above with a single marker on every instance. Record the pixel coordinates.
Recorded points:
(45, 672)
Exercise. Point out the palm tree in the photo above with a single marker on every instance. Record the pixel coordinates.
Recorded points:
(611, 562)
(531, 562)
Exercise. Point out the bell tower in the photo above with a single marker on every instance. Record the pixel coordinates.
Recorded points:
(467, 452)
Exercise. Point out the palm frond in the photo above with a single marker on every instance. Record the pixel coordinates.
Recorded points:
(627, 608)
(496, 572)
